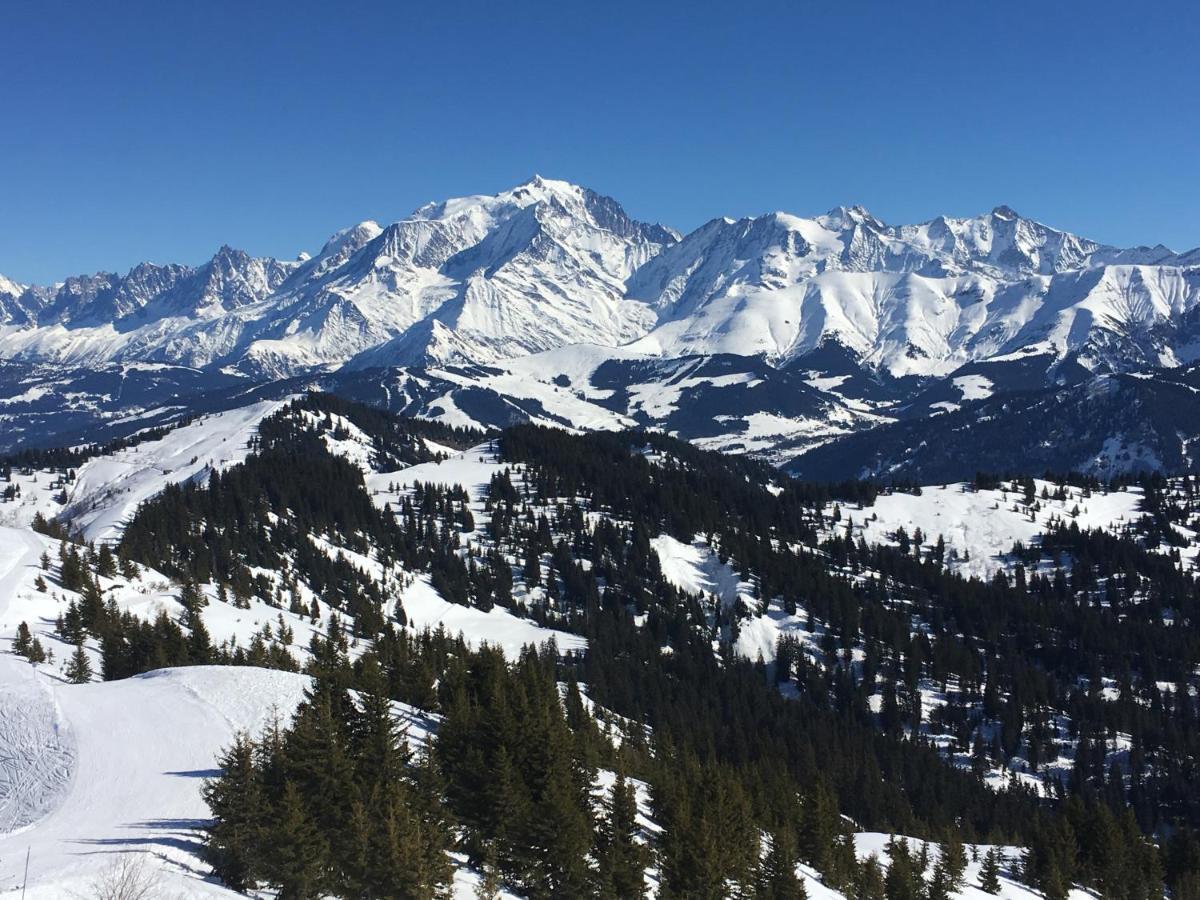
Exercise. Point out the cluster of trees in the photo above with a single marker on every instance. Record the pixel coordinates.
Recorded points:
(1022, 660)
(520, 764)
(336, 805)
(263, 514)
(333, 805)
(1010, 654)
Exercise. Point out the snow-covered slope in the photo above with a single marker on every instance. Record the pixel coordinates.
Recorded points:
(139, 751)
(731, 403)
(481, 277)
(107, 489)
(980, 527)
(914, 300)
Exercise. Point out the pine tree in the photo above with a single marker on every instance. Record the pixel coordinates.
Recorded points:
(79, 669)
(560, 828)
(37, 653)
(297, 858)
(106, 565)
(405, 860)
(948, 873)
(236, 801)
(23, 641)
(989, 872)
(489, 876)
(869, 883)
(622, 858)
(903, 880)
(777, 878)
(819, 826)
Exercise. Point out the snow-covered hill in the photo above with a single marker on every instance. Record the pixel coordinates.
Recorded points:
(96, 773)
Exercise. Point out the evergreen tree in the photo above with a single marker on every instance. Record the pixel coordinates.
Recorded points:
(622, 858)
(948, 873)
(869, 882)
(989, 872)
(23, 642)
(236, 801)
(298, 861)
(489, 877)
(904, 880)
(777, 879)
(79, 668)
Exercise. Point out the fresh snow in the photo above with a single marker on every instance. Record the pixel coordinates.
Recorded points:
(107, 489)
(983, 526)
(141, 749)
(500, 628)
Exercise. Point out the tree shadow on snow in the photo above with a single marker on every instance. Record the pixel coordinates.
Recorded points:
(176, 834)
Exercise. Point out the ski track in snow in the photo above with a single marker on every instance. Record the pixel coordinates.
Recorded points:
(140, 750)
(37, 754)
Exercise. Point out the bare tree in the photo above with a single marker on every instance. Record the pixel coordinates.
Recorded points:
(127, 877)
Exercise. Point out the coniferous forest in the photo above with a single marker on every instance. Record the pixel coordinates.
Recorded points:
(1084, 649)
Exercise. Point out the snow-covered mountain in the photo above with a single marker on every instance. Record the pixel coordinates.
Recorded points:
(477, 278)
(917, 299)
(549, 264)
(547, 302)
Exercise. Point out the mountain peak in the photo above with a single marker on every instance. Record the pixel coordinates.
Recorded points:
(847, 216)
(1005, 212)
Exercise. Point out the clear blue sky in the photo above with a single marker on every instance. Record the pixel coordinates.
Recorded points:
(161, 130)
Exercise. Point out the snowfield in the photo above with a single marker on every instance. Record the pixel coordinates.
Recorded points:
(982, 526)
(500, 628)
(107, 489)
(141, 749)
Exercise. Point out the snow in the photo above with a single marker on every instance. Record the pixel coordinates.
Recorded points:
(39, 755)
(499, 627)
(696, 569)
(108, 489)
(142, 748)
(973, 387)
(983, 524)
(472, 469)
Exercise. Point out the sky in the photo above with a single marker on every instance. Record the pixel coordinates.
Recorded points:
(161, 130)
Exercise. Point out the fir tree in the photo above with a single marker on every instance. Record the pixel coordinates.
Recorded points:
(622, 858)
(989, 872)
(948, 873)
(869, 882)
(79, 668)
(299, 857)
(236, 801)
(777, 878)
(903, 880)
(23, 642)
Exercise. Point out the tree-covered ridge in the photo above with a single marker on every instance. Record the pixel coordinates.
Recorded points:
(261, 516)
(1063, 656)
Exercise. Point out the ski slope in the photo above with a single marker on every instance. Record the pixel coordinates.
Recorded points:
(107, 489)
(142, 748)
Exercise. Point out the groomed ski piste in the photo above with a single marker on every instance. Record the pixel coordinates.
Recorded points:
(96, 778)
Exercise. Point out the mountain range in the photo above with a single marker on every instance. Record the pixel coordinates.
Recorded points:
(833, 345)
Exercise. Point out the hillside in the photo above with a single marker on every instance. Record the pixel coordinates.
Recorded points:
(695, 599)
